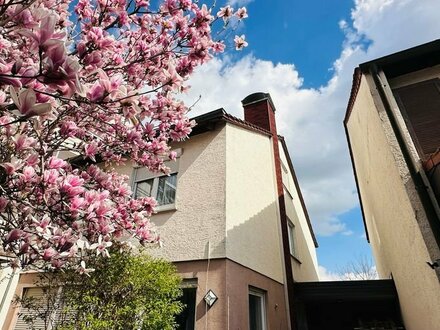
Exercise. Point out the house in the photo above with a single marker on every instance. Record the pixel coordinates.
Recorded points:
(393, 130)
(232, 220)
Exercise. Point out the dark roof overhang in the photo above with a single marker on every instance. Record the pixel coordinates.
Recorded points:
(408, 60)
(394, 65)
(397, 64)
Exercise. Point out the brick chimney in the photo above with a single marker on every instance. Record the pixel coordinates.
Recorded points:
(260, 111)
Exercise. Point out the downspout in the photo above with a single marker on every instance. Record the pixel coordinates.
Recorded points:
(423, 186)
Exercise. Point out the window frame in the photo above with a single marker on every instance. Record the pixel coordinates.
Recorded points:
(292, 238)
(252, 291)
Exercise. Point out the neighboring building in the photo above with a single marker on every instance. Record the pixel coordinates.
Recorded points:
(393, 130)
(233, 221)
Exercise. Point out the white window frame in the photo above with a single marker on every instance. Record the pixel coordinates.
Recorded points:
(261, 294)
(155, 189)
(145, 175)
(291, 235)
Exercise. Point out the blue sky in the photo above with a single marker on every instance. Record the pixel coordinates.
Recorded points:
(307, 34)
(302, 32)
(303, 53)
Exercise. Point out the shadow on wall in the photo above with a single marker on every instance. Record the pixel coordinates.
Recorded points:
(256, 243)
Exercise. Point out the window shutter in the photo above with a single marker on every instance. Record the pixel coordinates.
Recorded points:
(38, 294)
(420, 106)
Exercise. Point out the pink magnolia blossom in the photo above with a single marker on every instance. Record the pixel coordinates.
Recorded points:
(241, 13)
(83, 270)
(225, 12)
(240, 43)
(3, 203)
(98, 84)
(26, 103)
(49, 253)
(56, 163)
(101, 247)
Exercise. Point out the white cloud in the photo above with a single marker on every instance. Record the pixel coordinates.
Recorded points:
(238, 3)
(311, 119)
(358, 274)
(327, 275)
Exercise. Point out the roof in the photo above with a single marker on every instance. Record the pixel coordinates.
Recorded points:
(397, 64)
(206, 122)
(393, 65)
(408, 60)
(372, 290)
(357, 77)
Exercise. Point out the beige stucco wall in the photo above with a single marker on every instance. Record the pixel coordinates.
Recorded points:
(252, 216)
(197, 224)
(197, 227)
(304, 263)
(388, 198)
(226, 204)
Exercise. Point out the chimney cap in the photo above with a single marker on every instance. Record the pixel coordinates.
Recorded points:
(258, 97)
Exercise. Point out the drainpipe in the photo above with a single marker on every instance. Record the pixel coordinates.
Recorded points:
(423, 186)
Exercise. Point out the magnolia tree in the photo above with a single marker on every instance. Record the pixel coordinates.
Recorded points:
(86, 79)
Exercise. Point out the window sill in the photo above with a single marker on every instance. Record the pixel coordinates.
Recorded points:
(165, 208)
(295, 258)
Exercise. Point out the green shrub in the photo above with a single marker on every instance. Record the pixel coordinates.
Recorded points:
(123, 292)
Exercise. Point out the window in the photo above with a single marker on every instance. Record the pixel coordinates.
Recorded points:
(291, 233)
(162, 188)
(257, 309)
(285, 177)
